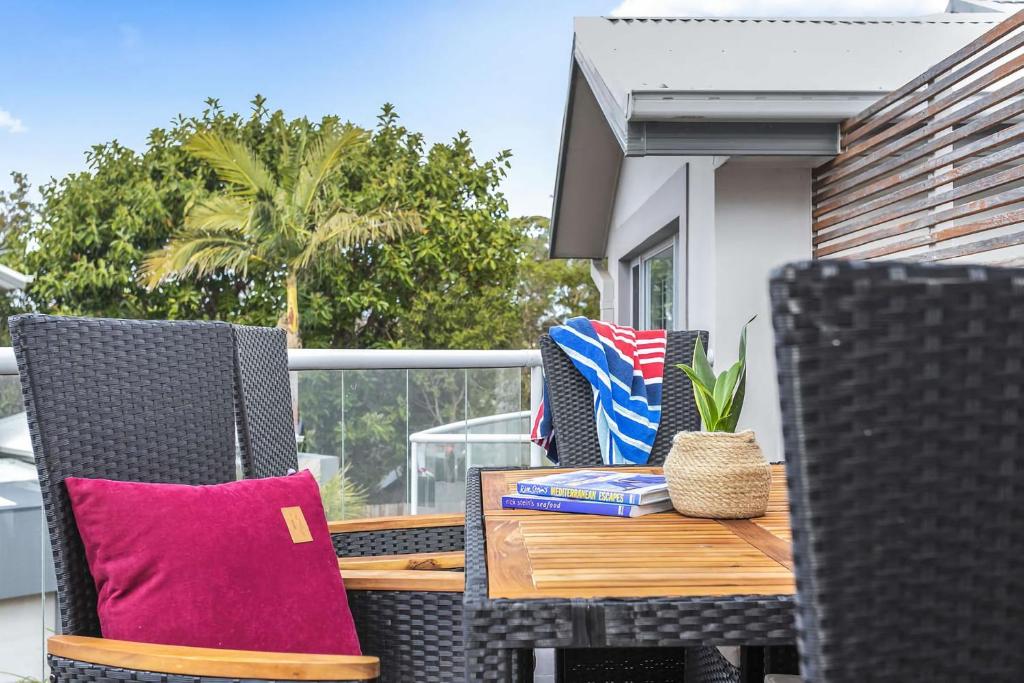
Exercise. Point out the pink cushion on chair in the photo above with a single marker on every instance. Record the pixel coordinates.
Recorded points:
(215, 566)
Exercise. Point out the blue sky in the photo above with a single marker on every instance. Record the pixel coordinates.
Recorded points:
(78, 73)
(74, 74)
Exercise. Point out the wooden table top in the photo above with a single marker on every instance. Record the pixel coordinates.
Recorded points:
(533, 554)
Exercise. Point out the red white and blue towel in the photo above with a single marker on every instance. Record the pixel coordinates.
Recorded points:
(625, 367)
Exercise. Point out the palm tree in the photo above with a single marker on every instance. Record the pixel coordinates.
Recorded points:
(284, 223)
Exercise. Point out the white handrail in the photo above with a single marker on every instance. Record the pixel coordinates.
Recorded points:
(453, 428)
(450, 438)
(376, 359)
(8, 366)
(403, 359)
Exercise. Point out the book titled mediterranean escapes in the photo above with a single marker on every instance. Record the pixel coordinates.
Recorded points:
(599, 486)
(587, 507)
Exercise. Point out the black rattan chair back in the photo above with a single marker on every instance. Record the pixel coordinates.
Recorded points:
(149, 401)
(902, 392)
(572, 402)
(266, 426)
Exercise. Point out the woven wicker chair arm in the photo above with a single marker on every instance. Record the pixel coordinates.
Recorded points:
(200, 661)
(398, 522)
(414, 542)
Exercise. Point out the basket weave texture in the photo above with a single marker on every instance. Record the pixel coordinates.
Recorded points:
(718, 475)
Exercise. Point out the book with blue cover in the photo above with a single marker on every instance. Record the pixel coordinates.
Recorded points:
(586, 507)
(599, 486)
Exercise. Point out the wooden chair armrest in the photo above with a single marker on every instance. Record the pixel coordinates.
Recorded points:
(398, 522)
(452, 559)
(403, 580)
(202, 661)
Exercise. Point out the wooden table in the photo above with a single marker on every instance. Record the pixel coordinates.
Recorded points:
(551, 554)
(662, 580)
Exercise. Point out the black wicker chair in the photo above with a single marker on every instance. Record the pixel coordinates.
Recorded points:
(572, 414)
(161, 401)
(141, 401)
(410, 618)
(902, 393)
(572, 402)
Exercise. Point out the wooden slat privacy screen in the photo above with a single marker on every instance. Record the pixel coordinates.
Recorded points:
(934, 170)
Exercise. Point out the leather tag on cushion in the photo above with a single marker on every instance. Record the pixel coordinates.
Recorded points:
(224, 566)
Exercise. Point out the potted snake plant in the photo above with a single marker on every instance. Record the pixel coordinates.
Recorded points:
(718, 472)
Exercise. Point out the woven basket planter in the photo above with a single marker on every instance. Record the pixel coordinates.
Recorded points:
(718, 475)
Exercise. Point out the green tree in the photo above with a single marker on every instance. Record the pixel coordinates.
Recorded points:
(95, 227)
(549, 290)
(450, 286)
(17, 214)
(280, 221)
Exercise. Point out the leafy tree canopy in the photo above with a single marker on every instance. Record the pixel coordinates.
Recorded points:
(453, 285)
(549, 291)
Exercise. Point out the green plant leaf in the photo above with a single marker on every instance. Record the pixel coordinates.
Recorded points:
(730, 420)
(698, 382)
(725, 385)
(234, 162)
(703, 397)
(708, 412)
(731, 415)
(743, 341)
(702, 367)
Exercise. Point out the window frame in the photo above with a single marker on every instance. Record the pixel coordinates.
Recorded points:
(639, 280)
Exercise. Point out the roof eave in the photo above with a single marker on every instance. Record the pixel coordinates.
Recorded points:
(614, 116)
(562, 142)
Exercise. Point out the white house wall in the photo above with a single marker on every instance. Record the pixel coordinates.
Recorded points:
(651, 193)
(762, 220)
(737, 221)
(639, 177)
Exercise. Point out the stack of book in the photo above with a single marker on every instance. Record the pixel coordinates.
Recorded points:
(592, 492)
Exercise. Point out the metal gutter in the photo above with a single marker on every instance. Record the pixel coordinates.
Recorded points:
(695, 106)
(733, 138)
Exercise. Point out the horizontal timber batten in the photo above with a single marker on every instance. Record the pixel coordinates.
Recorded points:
(945, 147)
(939, 85)
(954, 174)
(974, 47)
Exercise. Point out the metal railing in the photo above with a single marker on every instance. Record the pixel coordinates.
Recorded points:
(306, 360)
(376, 359)
(461, 433)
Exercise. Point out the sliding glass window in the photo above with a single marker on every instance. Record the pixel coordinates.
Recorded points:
(653, 283)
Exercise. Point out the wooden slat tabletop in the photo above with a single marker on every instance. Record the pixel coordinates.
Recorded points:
(534, 554)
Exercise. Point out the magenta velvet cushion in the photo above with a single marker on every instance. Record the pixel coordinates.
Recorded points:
(225, 566)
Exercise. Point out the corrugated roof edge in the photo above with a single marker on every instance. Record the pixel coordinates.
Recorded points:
(965, 18)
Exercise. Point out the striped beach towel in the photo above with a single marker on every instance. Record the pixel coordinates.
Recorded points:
(625, 367)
